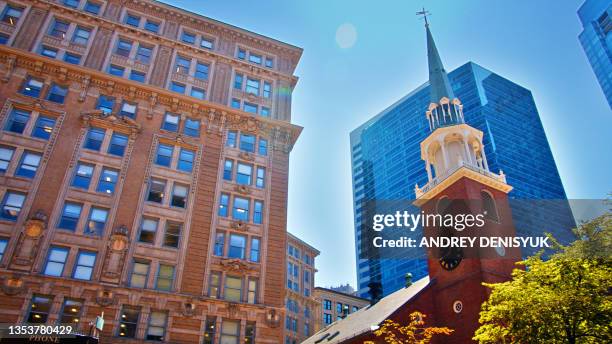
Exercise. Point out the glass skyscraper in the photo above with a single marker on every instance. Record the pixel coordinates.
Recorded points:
(596, 40)
(386, 161)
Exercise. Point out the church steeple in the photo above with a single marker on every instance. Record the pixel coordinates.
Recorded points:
(438, 80)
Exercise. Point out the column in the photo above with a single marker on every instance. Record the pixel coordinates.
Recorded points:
(428, 168)
(484, 158)
(444, 154)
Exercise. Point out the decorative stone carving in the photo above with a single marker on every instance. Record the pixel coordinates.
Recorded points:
(10, 67)
(84, 88)
(246, 156)
(233, 309)
(115, 255)
(13, 285)
(29, 240)
(105, 297)
(239, 225)
(188, 308)
(235, 265)
(111, 119)
(272, 318)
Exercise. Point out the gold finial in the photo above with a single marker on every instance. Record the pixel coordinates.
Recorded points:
(424, 13)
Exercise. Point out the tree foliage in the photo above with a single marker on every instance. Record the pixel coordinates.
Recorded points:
(415, 332)
(566, 299)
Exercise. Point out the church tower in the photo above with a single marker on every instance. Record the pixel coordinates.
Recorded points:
(460, 182)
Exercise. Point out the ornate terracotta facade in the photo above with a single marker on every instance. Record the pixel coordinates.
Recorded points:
(116, 192)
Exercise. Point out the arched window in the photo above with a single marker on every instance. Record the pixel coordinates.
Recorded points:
(488, 206)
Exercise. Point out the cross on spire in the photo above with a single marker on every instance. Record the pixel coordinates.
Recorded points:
(424, 13)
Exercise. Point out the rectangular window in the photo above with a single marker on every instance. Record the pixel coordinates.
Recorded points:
(82, 176)
(32, 87)
(116, 70)
(137, 76)
(209, 330)
(156, 190)
(123, 48)
(107, 181)
(192, 127)
(84, 265)
(132, 20)
(267, 89)
(269, 62)
(188, 37)
(244, 174)
(233, 289)
(92, 7)
(70, 216)
(96, 222)
(262, 149)
(250, 108)
(201, 71)
(81, 35)
(252, 86)
(254, 256)
(257, 212)
(231, 139)
(58, 28)
(252, 291)
(106, 104)
(241, 54)
(143, 54)
(94, 138)
(172, 235)
(48, 52)
(247, 143)
(255, 58)
(219, 244)
(179, 195)
(17, 121)
(165, 277)
(117, 144)
(261, 177)
(71, 3)
(164, 155)
(198, 93)
(185, 162)
(327, 305)
(6, 154)
(240, 209)
(148, 228)
(265, 112)
(140, 272)
(238, 81)
(4, 39)
(223, 205)
(71, 311)
(177, 87)
(206, 43)
(157, 326)
(182, 64)
(39, 309)
(56, 260)
(228, 169)
(237, 246)
(151, 26)
(249, 333)
(29, 164)
(128, 109)
(214, 290)
(11, 205)
(57, 93)
(128, 321)
(11, 14)
(72, 58)
(235, 103)
(327, 318)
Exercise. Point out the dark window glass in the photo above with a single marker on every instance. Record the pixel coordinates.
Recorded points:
(39, 309)
(71, 311)
(84, 265)
(179, 196)
(235, 103)
(137, 76)
(231, 139)
(128, 322)
(94, 139)
(117, 145)
(11, 205)
(151, 26)
(185, 162)
(172, 236)
(123, 48)
(267, 89)
(43, 127)
(32, 87)
(81, 35)
(144, 54)
(48, 52)
(255, 58)
(269, 62)
(57, 93)
(265, 111)
(116, 70)
(263, 147)
(4, 39)
(228, 169)
(164, 155)
(240, 210)
(92, 7)
(17, 121)
(198, 93)
(11, 14)
(106, 104)
(108, 180)
(82, 176)
(156, 190)
(254, 256)
(177, 87)
(219, 244)
(148, 229)
(192, 127)
(71, 3)
(257, 212)
(29, 165)
(97, 221)
(250, 107)
(188, 38)
(238, 81)
(247, 143)
(244, 174)
(201, 71)
(72, 58)
(6, 154)
(132, 20)
(223, 205)
(129, 109)
(70, 216)
(58, 28)
(241, 54)
(261, 177)
(182, 64)
(56, 260)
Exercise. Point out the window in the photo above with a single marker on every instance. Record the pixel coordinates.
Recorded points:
(116, 70)
(165, 276)
(250, 108)
(70, 216)
(151, 26)
(32, 87)
(233, 288)
(11, 14)
(72, 58)
(206, 43)
(11, 205)
(157, 326)
(235, 103)
(107, 181)
(177, 87)
(355, 309)
(223, 205)
(185, 162)
(6, 154)
(164, 155)
(240, 210)
(56, 260)
(128, 109)
(247, 143)
(269, 62)
(182, 64)
(156, 190)
(257, 212)
(71, 3)
(188, 38)
(106, 104)
(241, 54)
(58, 28)
(237, 246)
(179, 196)
(327, 318)
(84, 265)
(143, 54)
(57, 93)
(201, 71)
(214, 290)
(254, 256)
(81, 35)
(228, 169)
(267, 89)
(124, 47)
(17, 121)
(39, 309)
(96, 222)
(263, 147)
(488, 206)
(238, 81)
(132, 20)
(327, 305)
(254, 58)
(92, 7)
(137, 76)
(252, 291)
(48, 52)
(82, 176)
(198, 93)
(265, 111)
(71, 311)
(261, 177)
(29, 165)
(192, 127)
(128, 322)
(219, 244)
(117, 144)
(209, 330)
(148, 228)
(4, 39)
(231, 139)
(172, 235)
(94, 138)
(338, 308)
(252, 86)
(140, 272)
(244, 174)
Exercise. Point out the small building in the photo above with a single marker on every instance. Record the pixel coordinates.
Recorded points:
(336, 305)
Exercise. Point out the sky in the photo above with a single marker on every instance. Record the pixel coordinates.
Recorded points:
(362, 56)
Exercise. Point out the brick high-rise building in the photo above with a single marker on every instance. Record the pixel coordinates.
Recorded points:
(144, 158)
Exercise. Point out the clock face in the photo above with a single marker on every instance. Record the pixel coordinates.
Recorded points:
(450, 257)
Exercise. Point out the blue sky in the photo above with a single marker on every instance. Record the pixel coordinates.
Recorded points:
(533, 43)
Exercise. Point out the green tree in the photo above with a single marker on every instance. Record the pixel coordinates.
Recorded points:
(415, 332)
(566, 299)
